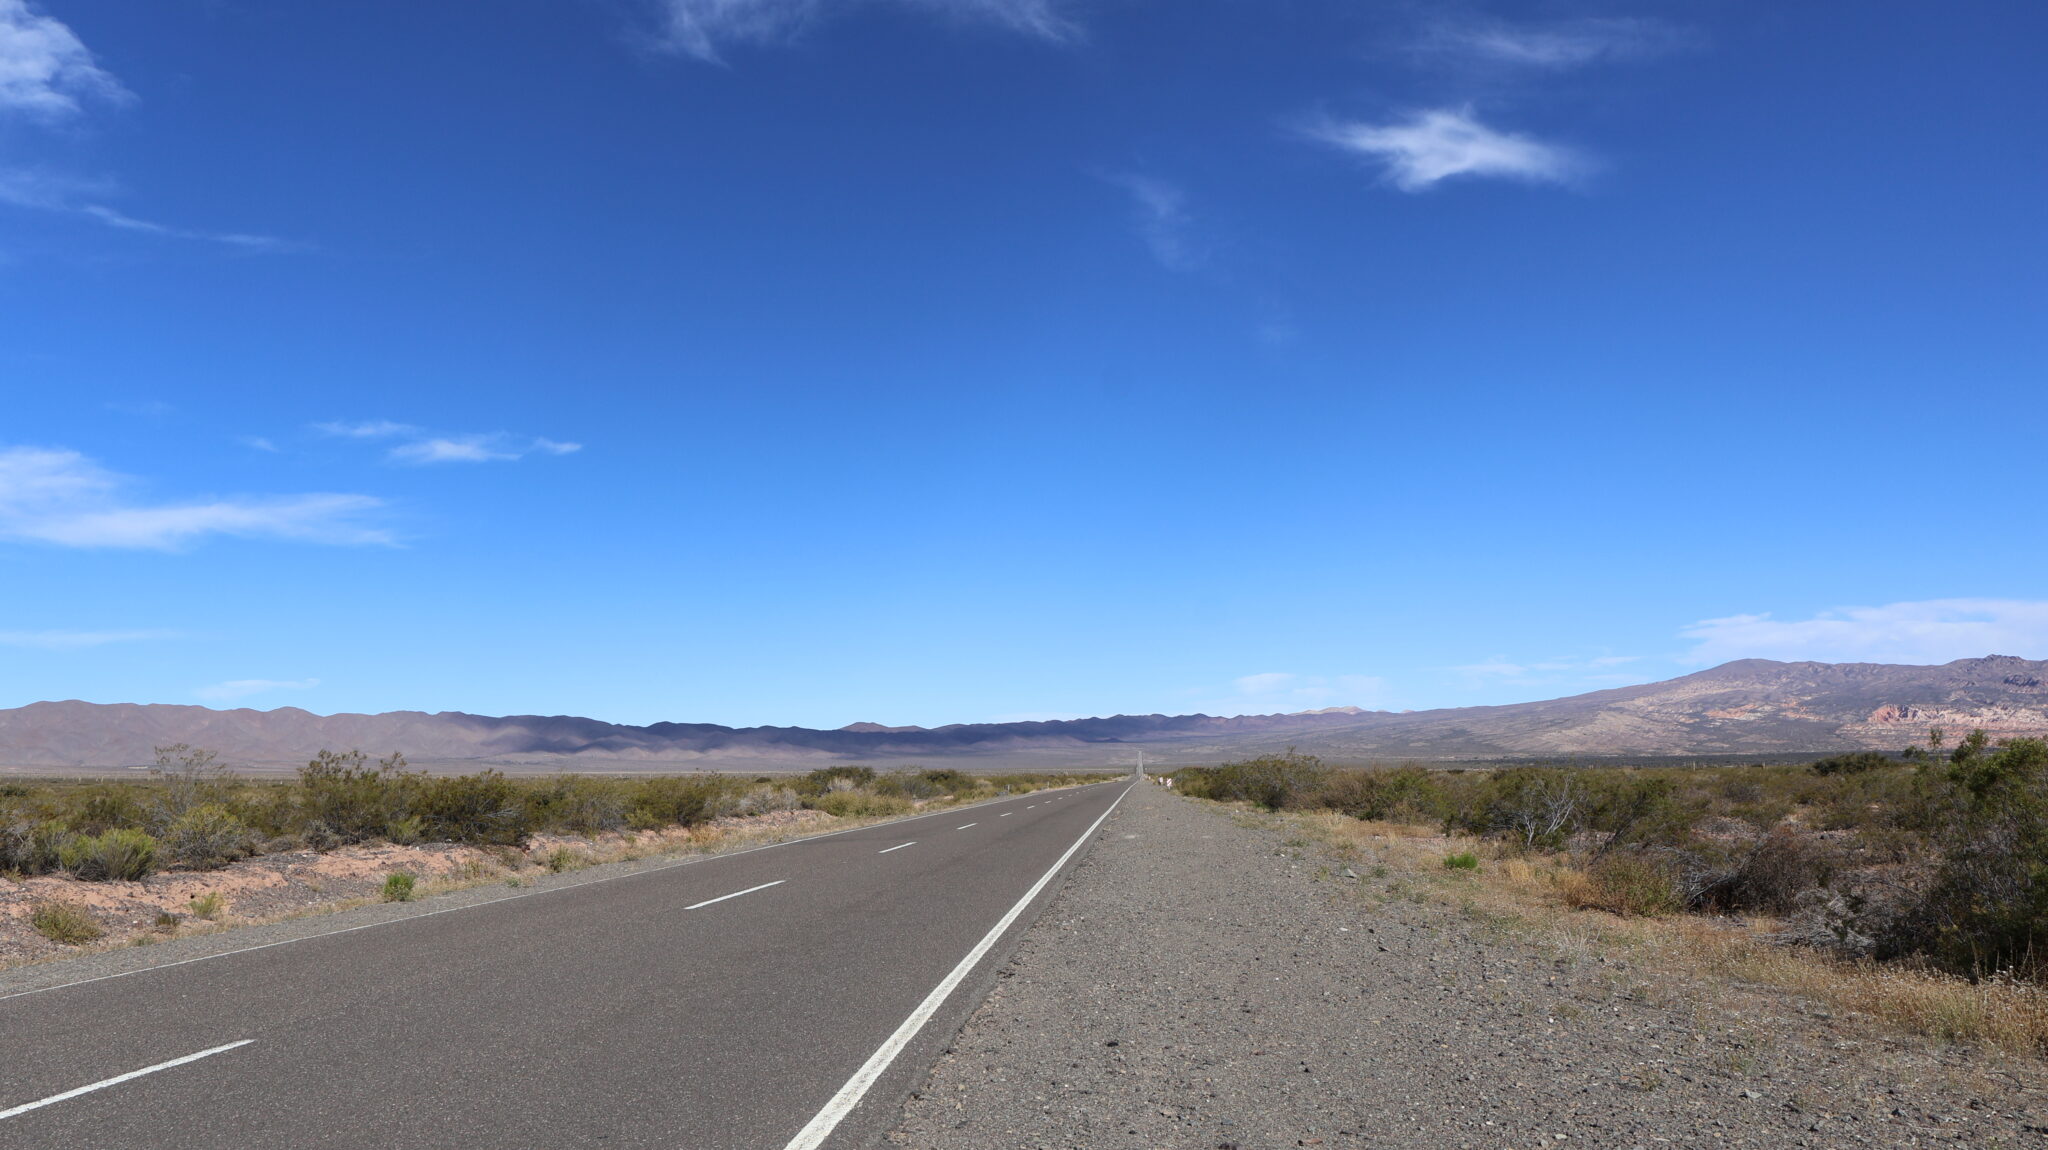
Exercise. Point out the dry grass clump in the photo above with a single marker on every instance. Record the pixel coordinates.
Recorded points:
(64, 922)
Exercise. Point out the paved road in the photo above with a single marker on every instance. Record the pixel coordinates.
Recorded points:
(717, 1005)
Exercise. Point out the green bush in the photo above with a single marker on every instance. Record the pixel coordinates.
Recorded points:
(834, 778)
(117, 856)
(1987, 908)
(399, 887)
(481, 809)
(1464, 860)
(1629, 885)
(670, 802)
(1853, 763)
(64, 922)
(208, 905)
(1269, 781)
(343, 799)
(858, 804)
(207, 837)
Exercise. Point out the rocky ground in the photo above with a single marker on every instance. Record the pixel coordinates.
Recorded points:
(1206, 984)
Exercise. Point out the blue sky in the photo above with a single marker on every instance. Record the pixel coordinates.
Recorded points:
(773, 361)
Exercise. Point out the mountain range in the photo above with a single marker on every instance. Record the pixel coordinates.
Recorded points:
(1748, 707)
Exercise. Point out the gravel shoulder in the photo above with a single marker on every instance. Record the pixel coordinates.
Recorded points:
(1201, 981)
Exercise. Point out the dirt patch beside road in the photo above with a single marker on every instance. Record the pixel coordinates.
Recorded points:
(1206, 984)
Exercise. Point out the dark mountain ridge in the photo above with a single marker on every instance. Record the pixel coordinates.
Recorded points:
(1751, 706)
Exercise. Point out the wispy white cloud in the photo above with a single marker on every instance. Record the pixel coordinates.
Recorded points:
(260, 443)
(56, 496)
(1163, 219)
(46, 191)
(1272, 691)
(700, 28)
(366, 429)
(1553, 46)
(491, 448)
(46, 73)
(75, 640)
(243, 688)
(1502, 669)
(1927, 631)
(1442, 143)
(45, 70)
(423, 447)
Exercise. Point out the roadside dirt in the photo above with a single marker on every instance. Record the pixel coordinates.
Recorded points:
(1206, 984)
(273, 886)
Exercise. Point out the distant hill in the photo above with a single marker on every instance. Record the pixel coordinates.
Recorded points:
(1749, 707)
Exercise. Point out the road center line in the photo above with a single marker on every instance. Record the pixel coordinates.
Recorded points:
(736, 894)
(117, 1079)
(827, 1120)
(968, 825)
(897, 847)
(1006, 814)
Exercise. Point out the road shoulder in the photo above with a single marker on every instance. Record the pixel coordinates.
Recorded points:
(1200, 982)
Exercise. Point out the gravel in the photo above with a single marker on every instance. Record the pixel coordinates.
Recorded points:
(1201, 983)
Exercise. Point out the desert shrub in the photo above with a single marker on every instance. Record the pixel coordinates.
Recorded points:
(120, 855)
(1770, 875)
(207, 836)
(1463, 860)
(1853, 763)
(407, 831)
(64, 922)
(483, 808)
(1637, 810)
(1400, 794)
(31, 846)
(186, 777)
(577, 804)
(563, 859)
(1986, 909)
(1537, 807)
(858, 804)
(343, 799)
(762, 800)
(1269, 781)
(834, 778)
(1628, 884)
(104, 807)
(399, 887)
(670, 802)
(208, 905)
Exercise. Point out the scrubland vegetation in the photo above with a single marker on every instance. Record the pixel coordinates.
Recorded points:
(192, 814)
(1914, 887)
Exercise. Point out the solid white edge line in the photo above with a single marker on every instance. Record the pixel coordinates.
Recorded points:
(827, 1120)
(736, 894)
(897, 847)
(118, 1079)
(692, 860)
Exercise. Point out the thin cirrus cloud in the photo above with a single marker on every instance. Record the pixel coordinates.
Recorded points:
(1501, 668)
(244, 688)
(47, 74)
(79, 640)
(1163, 219)
(1552, 47)
(1922, 631)
(45, 69)
(1428, 147)
(1272, 691)
(421, 447)
(60, 497)
(700, 28)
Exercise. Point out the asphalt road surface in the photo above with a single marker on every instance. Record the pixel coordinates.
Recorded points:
(784, 998)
